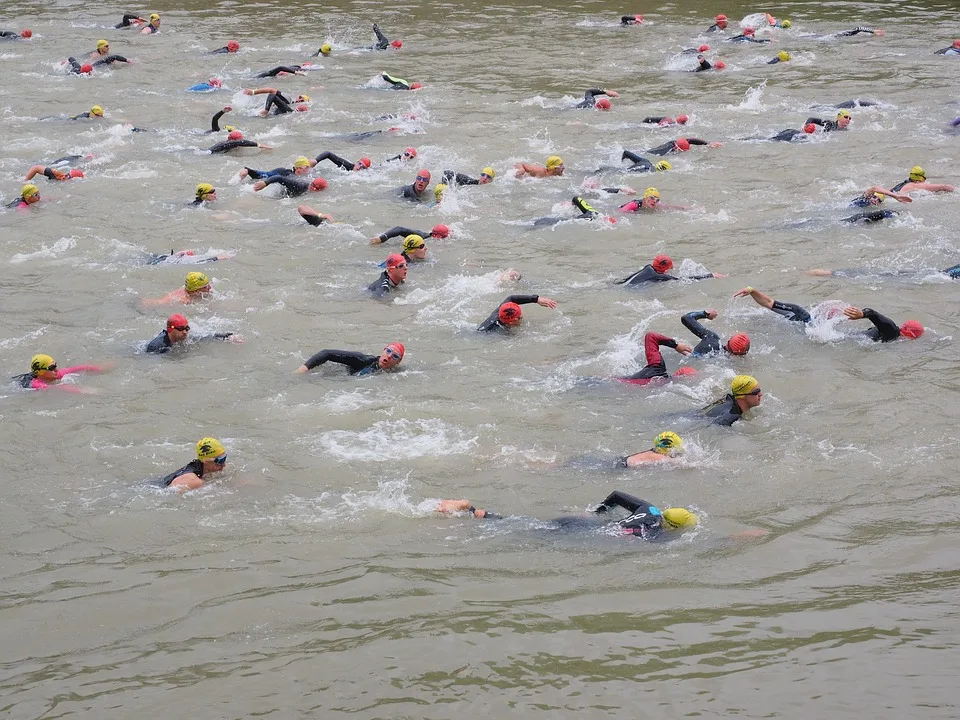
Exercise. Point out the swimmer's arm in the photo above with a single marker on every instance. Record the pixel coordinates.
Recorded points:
(259, 91)
(886, 328)
(759, 297)
(215, 121)
(393, 232)
(316, 360)
(877, 190)
(690, 322)
(624, 189)
(620, 499)
(81, 368)
(312, 216)
(815, 121)
(527, 299)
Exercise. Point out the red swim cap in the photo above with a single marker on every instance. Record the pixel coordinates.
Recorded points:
(685, 370)
(703, 48)
(911, 329)
(364, 162)
(956, 43)
(233, 46)
(739, 344)
(424, 173)
(683, 144)
(720, 17)
(302, 107)
(86, 69)
(509, 313)
(396, 44)
(411, 151)
(748, 31)
(662, 263)
(318, 184)
(809, 128)
(603, 104)
(235, 135)
(394, 260)
(440, 231)
(27, 33)
(397, 347)
(638, 18)
(719, 65)
(682, 119)
(415, 86)
(76, 173)
(177, 320)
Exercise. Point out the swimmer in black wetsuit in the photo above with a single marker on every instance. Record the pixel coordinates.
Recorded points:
(277, 102)
(129, 20)
(857, 31)
(439, 231)
(841, 123)
(281, 70)
(870, 216)
(357, 363)
(590, 99)
(884, 329)
(656, 367)
(78, 69)
(587, 212)
(324, 50)
(293, 186)
(709, 344)
(301, 166)
(175, 335)
(850, 104)
(391, 278)
(10, 35)
(793, 313)
(400, 83)
(641, 164)
(745, 393)
(680, 145)
(231, 47)
(782, 56)
(383, 42)
(451, 177)
(952, 50)
(509, 315)
(110, 59)
(657, 272)
(703, 65)
(663, 120)
(215, 120)
(235, 140)
(747, 36)
(790, 134)
(719, 25)
(342, 163)
(211, 458)
(417, 192)
(631, 20)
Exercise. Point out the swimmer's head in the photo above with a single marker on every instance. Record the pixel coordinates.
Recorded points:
(739, 344)
(662, 166)
(683, 119)
(510, 314)
(177, 328)
(783, 56)
(206, 191)
(229, 128)
(703, 48)
(438, 191)
(785, 24)
(421, 181)
(196, 282)
(86, 69)
(809, 128)
(215, 82)
(27, 33)
(413, 242)
(603, 104)
(555, 162)
(721, 21)
(235, 135)
(42, 363)
(719, 65)
(96, 111)
(76, 173)
(956, 43)
(30, 193)
(917, 174)
(362, 164)
(638, 19)
(873, 198)
(318, 184)
(668, 443)
(102, 44)
(487, 175)
(154, 18)
(211, 449)
(302, 99)
(743, 385)
(651, 192)
(843, 118)
(843, 114)
(661, 263)
(233, 46)
(301, 162)
(679, 519)
(391, 356)
(396, 44)
(911, 329)
(682, 144)
(410, 153)
(749, 31)
(326, 49)
(415, 86)
(440, 231)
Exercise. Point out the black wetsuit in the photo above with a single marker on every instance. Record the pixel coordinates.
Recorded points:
(457, 178)
(953, 272)
(590, 98)
(75, 66)
(194, 466)
(884, 329)
(312, 219)
(109, 60)
(655, 120)
(493, 324)
(293, 185)
(647, 274)
(383, 42)
(279, 103)
(948, 51)
(855, 31)
(409, 193)
(792, 312)
(723, 412)
(629, 20)
(396, 83)
(340, 162)
(9, 35)
(220, 51)
(774, 61)
(273, 72)
(870, 216)
(714, 28)
(709, 340)
(382, 285)
(850, 104)
(640, 164)
(264, 174)
(399, 231)
(827, 125)
(671, 147)
(645, 520)
(83, 116)
(161, 343)
(702, 65)
(66, 160)
(900, 185)
(228, 145)
(747, 38)
(357, 363)
(586, 211)
(788, 135)
(215, 121)
(126, 21)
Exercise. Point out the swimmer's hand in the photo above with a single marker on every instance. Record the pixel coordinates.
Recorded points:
(711, 314)
(716, 145)
(853, 313)
(628, 190)
(613, 93)
(720, 275)
(227, 108)
(683, 349)
(744, 292)
(546, 302)
(879, 32)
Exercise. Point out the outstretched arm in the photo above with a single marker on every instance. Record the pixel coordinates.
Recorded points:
(760, 298)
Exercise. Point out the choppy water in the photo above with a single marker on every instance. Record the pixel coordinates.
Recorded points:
(313, 580)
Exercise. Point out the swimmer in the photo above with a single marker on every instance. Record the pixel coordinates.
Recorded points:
(439, 231)
(312, 216)
(324, 50)
(649, 203)
(78, 69)
(719, 24)
(870, 216)
(29, 195)
(103, 49)
(952, 50)
(417, 191)
(196, 287)
(695, 51)
(10, 35)
(709, 344)
(680, 145)
(414, 248)
(857, 31)
(745, 394)
(54, 173)
(44, 374)
(841, 123)
(666, 446)
(183, 257)
(631, 20)
(587, 212)
(641, 164)
(205, 192)
(357, 363)
(95, 112)
(703, 65)
(874, 195)
(280, 104)
(656, 271)
(176, 336)
(409, 154)
(211, 458)
(773, 22)
(590, 99)
(486, 176)
(153, 26)
(554, 168)
(361, 164)
(438, 190)
(917, 180)
(383, 42)
(748, 35)
(209, 86)
(400, 83)
(656, 367)
(884, 329)
(850, 104)
(281, 70)
(215, 120)
(301, 166)
(292, 186)
(790, 311)
(129, 20)
(664, 120)
(791, 134)
(782, 56)
(231, 47)
(509, 315)
(234, 141)
(391, 278)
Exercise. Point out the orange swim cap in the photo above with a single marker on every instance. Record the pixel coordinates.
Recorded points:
(510, 313)
(682, 119)
(318, 184)
(662, 263)
(683, 144)
(235, 135)
(86, 69)
(27, 33)
(739, 344)
(415, 86)
(809, 128)
(440, 231)
(603, 104)
(911, 329)
(76, 173)
(719, 65)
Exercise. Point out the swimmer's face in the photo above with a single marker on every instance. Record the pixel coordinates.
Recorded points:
(398, 273)
(49, 375)
(484, 179)
(389, 358)
(650, 203)
(31, 199)
(200, 292)
(103, 50)
(209, 197)
(301, 170)
(420, 184)
(558, 170)
(419, 253)
(178, 333)
(753, 399)
(874, 199)
(843, 121)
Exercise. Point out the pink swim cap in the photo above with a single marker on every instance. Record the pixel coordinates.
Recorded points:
(683, 144)
(235, 135)
(396, 44)
(603, 104)
(682, 119)
(86, 69)
(27, 33)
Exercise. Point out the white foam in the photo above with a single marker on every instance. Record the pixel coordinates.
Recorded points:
(392, 440)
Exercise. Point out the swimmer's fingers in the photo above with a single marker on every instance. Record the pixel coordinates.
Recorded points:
(684, 349)
(547, 303)
(853, 313)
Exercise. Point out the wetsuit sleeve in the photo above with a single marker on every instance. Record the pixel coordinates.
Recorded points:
(126, 20)
(354, 360)
(313, 219)
(662, 149)
(653, 120)
(398, 231)
(340, 162)
(110, 59)
(459, 178)
(231, 144)
(855, 31)
(293, 185)
(220, 51)
(215, 121)
(942, 52)
(622, 500)
(520, 299)
(815, 121)
(791, 312)
(651, 348)
(690, 322)
(383, 42)
(697, 141)
(645, 274)
(886, 329)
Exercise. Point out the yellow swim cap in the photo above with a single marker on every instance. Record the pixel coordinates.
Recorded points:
(326, 49)
(229, 128)
(412, 242)
(663, 165)
(489, 171)
(651, 192)
(209, 448)
(205, 189)
(96, 110)
(843, 113)
(783, 55)
(154, 17)
(304, 98)
(196, 280)
(101, 44)
(301, 162)
(917, 174)
(29, 190)
(878, 197)
(743, 385)
(677, 518)
(667, 443)
(41, 362)
(438, 190)
(554, 161)
(785, 24)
